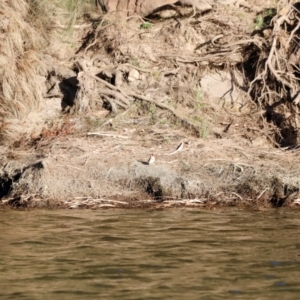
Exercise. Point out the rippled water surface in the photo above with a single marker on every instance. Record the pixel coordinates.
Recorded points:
(130, 254)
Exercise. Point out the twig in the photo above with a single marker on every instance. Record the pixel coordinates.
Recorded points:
(73, 167)
(237, 195)
(261, 193)
(116, 95)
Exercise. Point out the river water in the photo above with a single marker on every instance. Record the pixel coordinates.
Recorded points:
(135, 254)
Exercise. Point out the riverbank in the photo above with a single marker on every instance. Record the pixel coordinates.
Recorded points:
(111, 170)
(131, 88)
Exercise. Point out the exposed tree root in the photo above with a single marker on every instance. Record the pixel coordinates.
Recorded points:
(275, 85)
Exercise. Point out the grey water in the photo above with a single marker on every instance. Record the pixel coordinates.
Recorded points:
(139, 254)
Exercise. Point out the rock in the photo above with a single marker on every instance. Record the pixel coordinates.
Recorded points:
(220, 87)
(133, 75)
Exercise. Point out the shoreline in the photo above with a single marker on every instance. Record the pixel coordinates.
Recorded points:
(93, 172)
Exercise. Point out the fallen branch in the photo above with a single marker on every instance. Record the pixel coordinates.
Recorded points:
(119, 91)
(116, 95)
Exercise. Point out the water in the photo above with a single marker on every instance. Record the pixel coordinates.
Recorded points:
(133, 254)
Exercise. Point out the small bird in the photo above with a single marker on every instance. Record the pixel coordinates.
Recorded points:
(151, 160)
(179, 148)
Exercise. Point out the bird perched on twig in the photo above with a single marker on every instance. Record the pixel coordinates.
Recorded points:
(151, 160)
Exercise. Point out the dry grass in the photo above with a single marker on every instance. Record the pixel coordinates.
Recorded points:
(26, 34)
(21, 65)
(105, 171)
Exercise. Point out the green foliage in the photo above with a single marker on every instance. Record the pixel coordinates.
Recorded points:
(203, 126)
(204, 130)
(259, 22)
(152, 110)
(201, 108)
(135, 62)
(146, 25)
(264, 19)
(155, 75)
(198, 94)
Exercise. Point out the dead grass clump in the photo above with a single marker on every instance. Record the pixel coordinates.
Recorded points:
(21, 66)
(26, 35)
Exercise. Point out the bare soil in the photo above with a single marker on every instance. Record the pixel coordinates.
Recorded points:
(132, 87)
